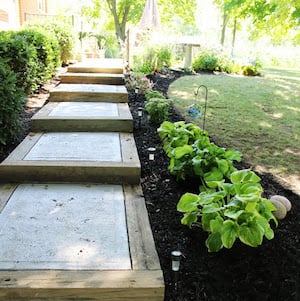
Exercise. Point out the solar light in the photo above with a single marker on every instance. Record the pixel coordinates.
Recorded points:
(140, 112)
(136, 91)
(151, 151)
(176, 258)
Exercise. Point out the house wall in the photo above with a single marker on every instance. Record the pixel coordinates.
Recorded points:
(9, 16)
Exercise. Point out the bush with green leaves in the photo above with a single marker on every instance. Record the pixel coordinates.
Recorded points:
(153, 94)
(11, 106)
(158, 109)
(153, 59)
(210, 60)
(231, 211)
(250, 70)
(63, 34)
(47, 51)
(206, 61)
(22, 58)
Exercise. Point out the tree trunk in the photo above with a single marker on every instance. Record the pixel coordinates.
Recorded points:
(225, 19)
(120, 24)
(233, 36)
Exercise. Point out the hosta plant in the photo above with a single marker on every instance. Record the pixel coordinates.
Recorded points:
(193, 155)
(234, 210)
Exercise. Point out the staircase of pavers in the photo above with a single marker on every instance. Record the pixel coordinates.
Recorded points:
(73, 221)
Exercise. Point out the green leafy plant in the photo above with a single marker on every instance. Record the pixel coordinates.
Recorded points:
(158, 109)
(193, 155)
(47, 51)
(231, 211)
(62, 33)
(11, 106)
(153, 94)
(251, 70)
(206, 61)
(22, 59)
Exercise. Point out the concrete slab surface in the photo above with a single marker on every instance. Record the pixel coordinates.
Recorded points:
(83, 116)
(64, 226)
(84, 109)
(89, 92)
(59, 242)
(76, 146)
(107, 157)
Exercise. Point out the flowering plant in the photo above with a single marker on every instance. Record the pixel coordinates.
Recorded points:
(138, 81)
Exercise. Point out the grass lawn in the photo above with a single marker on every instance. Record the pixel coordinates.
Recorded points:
(259, 116)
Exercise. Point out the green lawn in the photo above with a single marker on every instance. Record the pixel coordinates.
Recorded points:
(260, 116)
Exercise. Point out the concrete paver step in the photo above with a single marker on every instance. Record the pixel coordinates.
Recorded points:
(89, 93)
(83, 117)
(92, 78)
(74, 157)
(76, 241)
(114, 66)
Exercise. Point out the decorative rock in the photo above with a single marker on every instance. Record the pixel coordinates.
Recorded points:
(287, 204)
(280, 213)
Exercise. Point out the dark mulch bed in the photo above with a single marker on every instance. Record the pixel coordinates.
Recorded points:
(270, 272)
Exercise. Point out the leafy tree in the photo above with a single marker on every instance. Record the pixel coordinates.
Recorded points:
(276, 18)
(124, 12)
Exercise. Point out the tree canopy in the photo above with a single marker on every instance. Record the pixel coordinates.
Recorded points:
(124, 12)
(276, 18)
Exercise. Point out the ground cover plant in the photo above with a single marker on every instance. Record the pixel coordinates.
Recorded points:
(258, 116)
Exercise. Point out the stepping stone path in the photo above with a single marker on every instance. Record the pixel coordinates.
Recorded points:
(73, 220)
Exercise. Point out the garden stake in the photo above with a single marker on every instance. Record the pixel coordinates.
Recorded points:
(205, 103)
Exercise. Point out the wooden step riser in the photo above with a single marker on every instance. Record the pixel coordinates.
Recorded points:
(88, 96)
(112, 70)
(81, 125)
(103, 80)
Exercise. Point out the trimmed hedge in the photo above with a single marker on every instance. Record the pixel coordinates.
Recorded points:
(62, 34)
(11, 106)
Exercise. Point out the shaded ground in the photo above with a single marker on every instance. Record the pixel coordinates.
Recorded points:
(270, 272)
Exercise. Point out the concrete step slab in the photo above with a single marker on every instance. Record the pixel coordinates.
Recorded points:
(92, 78)
(114, 66)
(76, 241)
(89, 92)
(74, 157)
(83, 117)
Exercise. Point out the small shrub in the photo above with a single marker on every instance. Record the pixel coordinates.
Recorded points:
(138, 80)
(163, 57)
(158, 109)
(47, 52)
(207, 61)
(11, 106)
(22, 58)
(250, 70)
(153, 59)
(153, 94)
(63, 35)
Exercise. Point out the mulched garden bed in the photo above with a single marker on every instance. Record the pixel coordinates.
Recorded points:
(270, 272)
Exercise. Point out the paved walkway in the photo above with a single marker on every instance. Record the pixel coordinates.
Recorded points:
(70, 198)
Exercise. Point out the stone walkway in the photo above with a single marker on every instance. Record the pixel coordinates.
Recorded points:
(73, 221)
